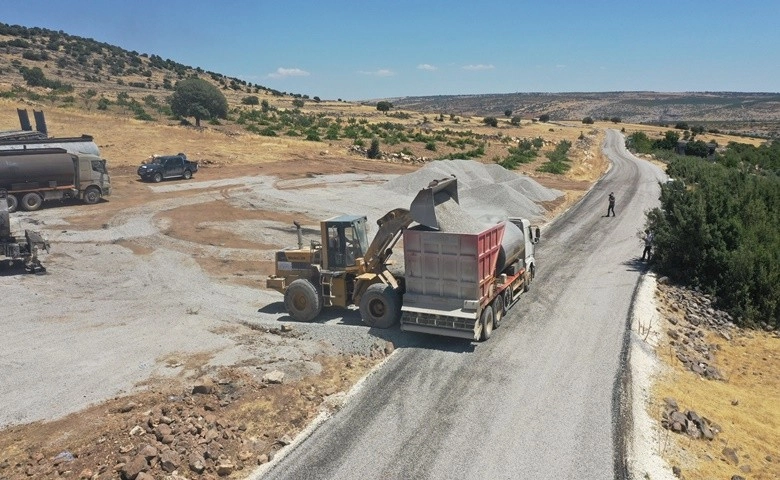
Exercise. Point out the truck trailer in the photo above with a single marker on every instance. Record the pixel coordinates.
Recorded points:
(32, 176)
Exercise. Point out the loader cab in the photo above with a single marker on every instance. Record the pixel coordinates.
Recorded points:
(345, 240)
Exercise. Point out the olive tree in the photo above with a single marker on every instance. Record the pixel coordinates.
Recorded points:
(384, 106)
(195, 97)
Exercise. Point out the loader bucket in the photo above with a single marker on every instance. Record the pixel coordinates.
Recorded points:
(423, 208)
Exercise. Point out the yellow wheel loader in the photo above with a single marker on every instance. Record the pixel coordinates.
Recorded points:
(342, 268)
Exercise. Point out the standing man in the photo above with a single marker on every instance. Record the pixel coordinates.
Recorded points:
(611, 204)
(648, 245)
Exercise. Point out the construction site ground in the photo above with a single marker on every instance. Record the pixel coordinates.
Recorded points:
(138, 272)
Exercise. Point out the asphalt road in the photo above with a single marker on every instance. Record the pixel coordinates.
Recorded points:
(542, 398)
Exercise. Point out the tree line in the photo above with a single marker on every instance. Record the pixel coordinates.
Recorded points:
(718, 228)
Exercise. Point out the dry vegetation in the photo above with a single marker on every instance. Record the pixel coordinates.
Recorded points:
(746, 405)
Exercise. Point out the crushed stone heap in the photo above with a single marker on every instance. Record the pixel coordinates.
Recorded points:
(489, 192)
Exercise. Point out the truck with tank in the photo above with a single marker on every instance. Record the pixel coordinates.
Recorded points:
(36, 175)
(460, 276)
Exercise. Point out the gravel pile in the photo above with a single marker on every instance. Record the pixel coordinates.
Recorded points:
(489, 192)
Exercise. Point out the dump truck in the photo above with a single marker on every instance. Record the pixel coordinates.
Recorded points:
(14, 249)
(473, 271)
(461, 284)
(33, 176)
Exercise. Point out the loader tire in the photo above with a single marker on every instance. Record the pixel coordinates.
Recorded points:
(380, 306)
(302, 300)
(487, 323)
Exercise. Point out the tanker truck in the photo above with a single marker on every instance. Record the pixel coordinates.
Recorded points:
(33, 176)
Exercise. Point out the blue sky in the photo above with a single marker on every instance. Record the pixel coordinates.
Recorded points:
(367, 49)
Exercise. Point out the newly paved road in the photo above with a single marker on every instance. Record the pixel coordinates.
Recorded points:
(541, 399)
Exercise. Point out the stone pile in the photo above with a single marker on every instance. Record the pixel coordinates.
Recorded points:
(687, 337)
(687, 422)
(389, 157)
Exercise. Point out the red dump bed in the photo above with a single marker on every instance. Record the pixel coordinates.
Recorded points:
(447, 275)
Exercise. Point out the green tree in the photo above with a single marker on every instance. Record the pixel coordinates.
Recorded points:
(298, 103)
(491, 121)
(384, 106)
(507, 113)
(373, 150)
(516, 120)
(615, 119)
(250, 100)
(195, 97)
(588, 120)
(33, 76)
(544, 117)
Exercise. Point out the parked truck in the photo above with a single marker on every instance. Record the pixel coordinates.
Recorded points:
(160, 167)
(14, 249)
(32, 176)
(455, 282)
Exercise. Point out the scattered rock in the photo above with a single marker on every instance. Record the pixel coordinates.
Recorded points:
(204, 386)
(730, 455)
(137, 430)
(274, 377)
(131, 469)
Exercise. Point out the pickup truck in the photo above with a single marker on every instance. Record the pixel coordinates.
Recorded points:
(167, 166)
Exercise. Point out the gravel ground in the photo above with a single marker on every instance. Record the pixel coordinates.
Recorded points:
(108, 317)
(643, 447)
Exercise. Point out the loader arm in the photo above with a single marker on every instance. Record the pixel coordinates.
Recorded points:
(391, 226)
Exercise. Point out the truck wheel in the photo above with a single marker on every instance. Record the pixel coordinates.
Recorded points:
(13, 203)
(187, 175)
(487, 323)
(498, 310)
(507, 298)
(302, 300)
(31, 201)
(91, 195)
(380, 306)
(157, 178)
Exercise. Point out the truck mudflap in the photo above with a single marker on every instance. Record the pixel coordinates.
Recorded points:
(456, 323)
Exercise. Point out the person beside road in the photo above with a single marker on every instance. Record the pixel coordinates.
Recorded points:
(611, 207)
(648, 245)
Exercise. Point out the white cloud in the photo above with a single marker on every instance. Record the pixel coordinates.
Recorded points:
(425, 66)
(282, 72)
(382, 72)
(478, 67)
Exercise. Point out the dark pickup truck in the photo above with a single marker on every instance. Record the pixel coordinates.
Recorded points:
(167, 166)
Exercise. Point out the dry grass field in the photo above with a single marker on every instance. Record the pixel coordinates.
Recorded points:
(746, 404)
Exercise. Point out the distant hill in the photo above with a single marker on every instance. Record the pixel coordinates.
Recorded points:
(87, 74)
(755, 113)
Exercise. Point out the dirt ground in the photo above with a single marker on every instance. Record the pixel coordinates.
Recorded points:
(208, 418)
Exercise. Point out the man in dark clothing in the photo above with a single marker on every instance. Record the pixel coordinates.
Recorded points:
(648, 244)
(611, 204)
